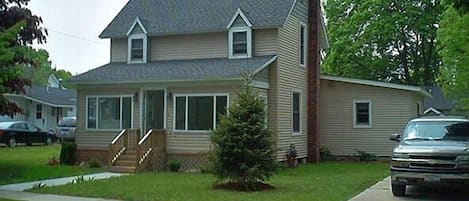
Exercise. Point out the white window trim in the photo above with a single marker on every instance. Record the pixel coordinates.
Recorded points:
(370, 114)
(187, 110)
(300, 113)
(97, 109)
(248, 31)
(305, 46)
(145, 48)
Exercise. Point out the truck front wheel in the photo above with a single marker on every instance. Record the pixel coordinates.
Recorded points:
(398, 190)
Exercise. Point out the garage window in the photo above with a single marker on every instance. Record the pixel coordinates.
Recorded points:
(362, 114)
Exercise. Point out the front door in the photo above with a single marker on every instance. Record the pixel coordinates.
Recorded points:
(154, 109)
(39, 116)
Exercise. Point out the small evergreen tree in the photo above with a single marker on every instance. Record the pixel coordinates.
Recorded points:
(243, 153)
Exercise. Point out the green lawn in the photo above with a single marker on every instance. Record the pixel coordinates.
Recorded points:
(3, 199)
(21, 164)
(325, 182)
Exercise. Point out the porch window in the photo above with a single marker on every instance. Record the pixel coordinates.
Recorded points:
(198, 112)
(109, 113)
(362, 114)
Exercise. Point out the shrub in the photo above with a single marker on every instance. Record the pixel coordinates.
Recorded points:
(174, 165)
(94, 163)
(243, 152)
(364, 156)
(68, 153)
(324, 153)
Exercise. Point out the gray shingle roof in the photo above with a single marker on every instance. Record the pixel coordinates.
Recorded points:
(163, 17)
(196, 70)
(53, 96)
(438, 101)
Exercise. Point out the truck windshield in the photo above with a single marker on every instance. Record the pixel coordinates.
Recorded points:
(437, 130)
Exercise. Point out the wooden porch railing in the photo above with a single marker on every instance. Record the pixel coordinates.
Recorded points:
(153, 141)
(117, 147)
(127, 139)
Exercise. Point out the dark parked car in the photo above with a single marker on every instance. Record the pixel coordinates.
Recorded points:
(14, 132)
(66, 128)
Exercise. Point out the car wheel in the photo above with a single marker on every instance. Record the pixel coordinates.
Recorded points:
(49, 141)
(12, 142)
(398, 190)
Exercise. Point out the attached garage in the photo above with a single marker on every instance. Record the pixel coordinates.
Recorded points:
(361, 114)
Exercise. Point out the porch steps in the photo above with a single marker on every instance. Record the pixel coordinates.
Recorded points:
(125, 163)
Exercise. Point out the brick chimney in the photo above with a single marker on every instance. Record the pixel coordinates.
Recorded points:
(313, 80)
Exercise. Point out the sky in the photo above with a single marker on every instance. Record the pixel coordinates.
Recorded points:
(74, 26)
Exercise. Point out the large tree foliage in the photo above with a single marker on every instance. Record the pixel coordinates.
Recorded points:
(40, 74)
(383, 40)
(18, 29)
(243, 153)
(453, 39)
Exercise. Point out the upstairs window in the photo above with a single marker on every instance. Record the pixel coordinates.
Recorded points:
(239, 36)
(302, 45)
(138, 48)
(137, 43)
(240, 42)
(362, 114)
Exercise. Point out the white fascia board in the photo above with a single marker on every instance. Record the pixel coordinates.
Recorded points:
(265, 65)
(47, 103)
(377, 84)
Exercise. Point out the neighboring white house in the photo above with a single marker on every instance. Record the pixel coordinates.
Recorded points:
(44, 106)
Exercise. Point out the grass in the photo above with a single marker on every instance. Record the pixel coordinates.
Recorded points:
(328, 181)
(3, 199)
(22, 164)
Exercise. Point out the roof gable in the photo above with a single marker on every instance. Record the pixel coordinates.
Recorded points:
(137, 27)
(168, 17)
(239, 19)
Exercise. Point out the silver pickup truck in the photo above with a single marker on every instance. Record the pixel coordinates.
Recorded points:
(433, 152)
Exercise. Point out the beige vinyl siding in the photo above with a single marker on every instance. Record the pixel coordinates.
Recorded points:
(119, 50)
(195, 46)
(391, 109)
(290, 77)
(265, 42)
(101, 139)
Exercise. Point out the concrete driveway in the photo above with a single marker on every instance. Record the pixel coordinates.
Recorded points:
(382, 192)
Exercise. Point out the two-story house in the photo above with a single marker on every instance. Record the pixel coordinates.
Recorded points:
(176, 65)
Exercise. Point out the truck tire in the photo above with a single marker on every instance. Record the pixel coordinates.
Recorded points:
(398, 190)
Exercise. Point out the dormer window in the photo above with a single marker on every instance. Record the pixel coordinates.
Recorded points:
(137, 43)
(240, 42)
(137, 49)
(239, 36)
